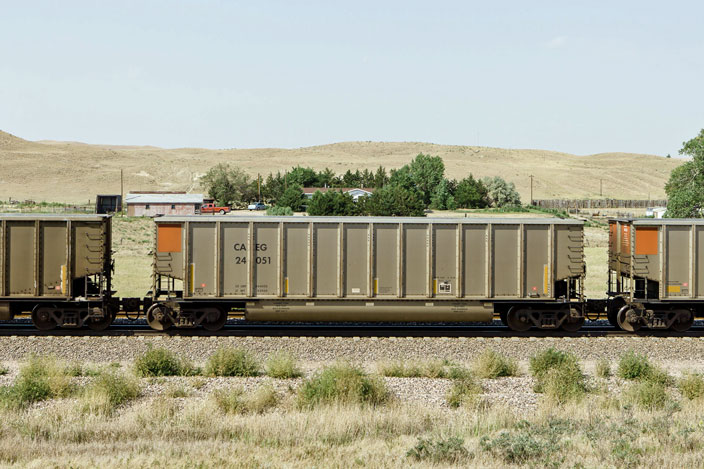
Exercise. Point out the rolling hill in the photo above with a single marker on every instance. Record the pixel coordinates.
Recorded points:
(75, 172)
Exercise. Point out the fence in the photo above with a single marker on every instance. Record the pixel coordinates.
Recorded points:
(599, 203)
(46, 208)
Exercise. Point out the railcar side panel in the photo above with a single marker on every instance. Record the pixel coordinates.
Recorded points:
(326, 260)
(386, 260)
(53, 254)
(296, 260)
(475, 260)
(21, 259)
(415, 261)
(445, 261)
(506, 254)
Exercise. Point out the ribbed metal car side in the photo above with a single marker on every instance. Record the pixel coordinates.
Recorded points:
(50, 260)
(656, 272)
(371, 269)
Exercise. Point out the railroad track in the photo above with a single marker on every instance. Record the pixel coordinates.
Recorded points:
(336, 330)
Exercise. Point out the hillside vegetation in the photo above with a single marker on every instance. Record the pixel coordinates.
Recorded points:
(76, 172)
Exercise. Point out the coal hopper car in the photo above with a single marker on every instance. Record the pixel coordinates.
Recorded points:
(58, 268)
(529, 272)
(656, 273)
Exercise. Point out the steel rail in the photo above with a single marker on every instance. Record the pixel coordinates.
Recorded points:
(336, 330)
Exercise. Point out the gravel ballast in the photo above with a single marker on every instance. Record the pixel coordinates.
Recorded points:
(355, 349)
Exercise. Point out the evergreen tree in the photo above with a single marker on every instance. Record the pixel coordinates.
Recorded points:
(471, 193)
(292, 197)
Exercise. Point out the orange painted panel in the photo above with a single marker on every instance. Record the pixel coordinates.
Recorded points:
(625, 239)
(168, 238)
(612, 235)
(646, 240)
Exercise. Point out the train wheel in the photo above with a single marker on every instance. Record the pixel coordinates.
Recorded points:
(100, 324)
(684, 320)
(572, 324)
(519, 320)
(43, 319)
(213, 319)
(158, 317)
(628, 319)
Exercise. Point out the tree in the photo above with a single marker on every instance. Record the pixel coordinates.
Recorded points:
(380, 178)
(303, 177)
(685, 188)
(394, 200)
(228, 186)
(423, 173)
(442, 198)
(331, 203)
(501, 193)
(292, 197)
(471, 193)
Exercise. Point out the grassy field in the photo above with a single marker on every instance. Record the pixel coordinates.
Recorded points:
(26, 174)
(57, 414)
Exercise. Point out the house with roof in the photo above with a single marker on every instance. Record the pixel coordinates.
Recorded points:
(355, 192)
(149, 204)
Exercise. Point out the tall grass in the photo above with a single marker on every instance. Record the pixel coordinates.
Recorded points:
(282, 365)
(232, 362)
(40, 378)
(108, 391)
(491, 364)
(162, 362)
(558, 376)
(342, 383)
(404, 369)
(237, 401)
(691, 386)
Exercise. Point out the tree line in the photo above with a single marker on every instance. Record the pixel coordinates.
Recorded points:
(406, 191)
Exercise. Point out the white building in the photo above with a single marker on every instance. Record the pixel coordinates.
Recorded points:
(355, 192)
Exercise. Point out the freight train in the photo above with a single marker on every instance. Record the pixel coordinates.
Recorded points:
(528, 272)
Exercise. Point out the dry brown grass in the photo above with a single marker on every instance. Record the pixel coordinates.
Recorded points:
(27, 174)
(195, 432)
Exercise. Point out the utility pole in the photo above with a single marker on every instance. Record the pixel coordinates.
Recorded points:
(259, 189)
(601, 188)
(531, 189)
(122, 192)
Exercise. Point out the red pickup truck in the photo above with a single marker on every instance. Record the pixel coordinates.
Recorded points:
(212, 208)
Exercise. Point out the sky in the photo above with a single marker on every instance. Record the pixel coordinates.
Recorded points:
(581, 77)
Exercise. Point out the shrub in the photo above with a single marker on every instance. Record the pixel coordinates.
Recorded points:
(692, 386)
(603, 369)
(279, 211)
(3, 370)
(633, 366)
(282, 365)
(450, 450)
(229, 401)
(399, 369)
(558, 375)
(491, 364)
(550, 358)
(262, 399)
(235, 401)
(464, 391)
(649, 395)
(40, 378)
(564, 383)
(162, 362)
(231, 362)
(108, 391)
(342, 383)
(175, 391)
